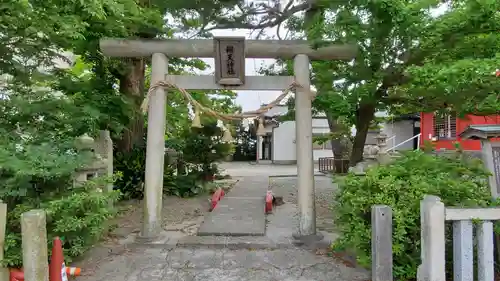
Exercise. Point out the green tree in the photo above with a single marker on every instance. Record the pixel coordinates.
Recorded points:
(410, 57)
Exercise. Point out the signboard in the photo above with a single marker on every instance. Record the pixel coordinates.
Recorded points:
(229, 60)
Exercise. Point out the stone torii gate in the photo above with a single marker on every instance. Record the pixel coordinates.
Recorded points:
(229, 54)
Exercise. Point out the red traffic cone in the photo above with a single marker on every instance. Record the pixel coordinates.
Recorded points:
(57, 268)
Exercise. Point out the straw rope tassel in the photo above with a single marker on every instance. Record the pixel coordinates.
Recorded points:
(196, 119)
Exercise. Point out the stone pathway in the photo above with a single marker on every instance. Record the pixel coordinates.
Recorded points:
(272, 257)
(185, 264)
(240, 213)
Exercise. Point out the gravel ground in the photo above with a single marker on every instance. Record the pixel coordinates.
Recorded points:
(324, 189)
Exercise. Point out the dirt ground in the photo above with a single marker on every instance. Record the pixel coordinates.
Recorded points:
(180, 215)
(287, 187)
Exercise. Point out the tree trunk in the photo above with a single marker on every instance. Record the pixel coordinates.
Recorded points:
(314, 11)
(364, 116)
(338, 147)
(132, 86)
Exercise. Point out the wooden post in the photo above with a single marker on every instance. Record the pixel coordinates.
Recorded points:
(381, 243)
(35, 253)
(155, 151)
(4, 272)
(432, 221)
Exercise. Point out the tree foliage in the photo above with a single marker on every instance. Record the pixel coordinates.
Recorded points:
(413, 56)
(55, 86)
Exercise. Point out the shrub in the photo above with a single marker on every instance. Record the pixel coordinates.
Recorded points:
(79, 218)
(204, 146)
(132, 168)
(457, 180)
(187, 185)
(40, 176)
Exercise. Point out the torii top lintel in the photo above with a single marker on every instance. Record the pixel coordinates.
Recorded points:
(204, 48)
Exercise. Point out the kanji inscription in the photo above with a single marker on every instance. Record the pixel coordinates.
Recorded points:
(229, 61)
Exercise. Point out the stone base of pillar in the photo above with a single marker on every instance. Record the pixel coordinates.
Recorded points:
(144, 239)
(311, 240)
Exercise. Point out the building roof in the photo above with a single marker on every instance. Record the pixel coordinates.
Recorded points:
(477, 132)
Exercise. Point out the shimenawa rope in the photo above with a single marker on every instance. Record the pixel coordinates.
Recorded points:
(223, 117)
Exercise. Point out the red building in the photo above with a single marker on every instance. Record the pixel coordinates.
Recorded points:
(444, 131)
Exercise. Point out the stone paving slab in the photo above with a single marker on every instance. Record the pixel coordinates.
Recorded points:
(236, 217)
(182, 264)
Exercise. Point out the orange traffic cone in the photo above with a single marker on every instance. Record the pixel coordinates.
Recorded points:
(73, 271)
(57, 268)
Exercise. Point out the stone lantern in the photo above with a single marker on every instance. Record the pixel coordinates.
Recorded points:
(101, 152)
(381, 140)
(382, 156)
(84, 143)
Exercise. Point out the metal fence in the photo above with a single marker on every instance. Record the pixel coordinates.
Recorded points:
(330, 165)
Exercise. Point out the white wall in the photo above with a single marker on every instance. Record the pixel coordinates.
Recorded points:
(284, 137)
(403, 130)
(320, 126)
(283, 142)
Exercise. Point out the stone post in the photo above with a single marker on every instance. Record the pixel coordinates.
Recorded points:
(35, 253)
(381, 243)
(487, 150)
(489, 163)
(4, 272)
(304, 148)
(105, 147)
(433, 240)
(155, 150)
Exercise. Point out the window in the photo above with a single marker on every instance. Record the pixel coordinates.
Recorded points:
(445, 126)
(321, 145)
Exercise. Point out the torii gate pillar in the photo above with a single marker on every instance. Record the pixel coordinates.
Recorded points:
(155, 150)
(304, 150)
(298, 50)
